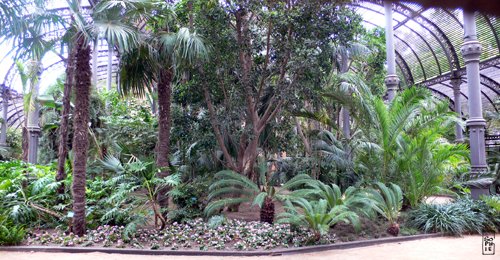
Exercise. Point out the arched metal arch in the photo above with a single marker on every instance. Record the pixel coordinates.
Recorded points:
(405, 69)
(419, 35)
(426, 23)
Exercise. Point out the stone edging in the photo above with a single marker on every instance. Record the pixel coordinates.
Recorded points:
(275, 252)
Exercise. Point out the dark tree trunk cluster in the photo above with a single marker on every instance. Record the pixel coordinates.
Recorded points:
(63, 130)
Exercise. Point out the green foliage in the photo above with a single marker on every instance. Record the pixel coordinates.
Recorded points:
(130, 125)
(316, 215)
(14, 150)
(355, 199)
(455, 218)
(241, 189)
(190, 200)
(28, 194)
(216, 221)
(134, 192)
(490, 206)
(10, 234)
(388, 200)
(493, 202)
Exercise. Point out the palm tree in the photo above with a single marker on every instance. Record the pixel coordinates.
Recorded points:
(10, 15)
(157, 60)
(31, 44)
(63, 129)
(355, 199)
(343, 56)
(407, 115)
(124, 35)
(424, 162)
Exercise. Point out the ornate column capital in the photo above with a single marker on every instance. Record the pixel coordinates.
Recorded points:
(392, 82)
(34, 129)
(471, 50)
(476, 122)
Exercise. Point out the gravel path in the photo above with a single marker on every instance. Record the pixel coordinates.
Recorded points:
(468, 247)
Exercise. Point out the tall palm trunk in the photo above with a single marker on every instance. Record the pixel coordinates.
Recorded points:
(163, 146)
(63, 130)
(83, 76)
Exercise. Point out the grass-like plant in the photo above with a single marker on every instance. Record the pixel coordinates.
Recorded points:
(455, 218)
(388, 203)
(233, 188)
(316, 216)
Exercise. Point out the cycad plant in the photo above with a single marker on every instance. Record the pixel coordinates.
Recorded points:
(316, 215)
(355, 199)
(237, 189)
(388, 203)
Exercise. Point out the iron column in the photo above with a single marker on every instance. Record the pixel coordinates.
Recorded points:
(456, 82)
(471, 51)
(391, 80)
(5, 107)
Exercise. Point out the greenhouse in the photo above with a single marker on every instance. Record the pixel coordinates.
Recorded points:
(248, 127)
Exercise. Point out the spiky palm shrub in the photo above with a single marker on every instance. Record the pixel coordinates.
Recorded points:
(388, 203)
(236, 189)
(316, 215)
(356, 199)
(425, 163)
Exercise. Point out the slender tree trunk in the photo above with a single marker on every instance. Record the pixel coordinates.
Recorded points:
(307, 145)
(25, 144)
(163, 146)
(83, 77)
(63, 130)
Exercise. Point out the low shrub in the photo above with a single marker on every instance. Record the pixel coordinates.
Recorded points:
(28, 194)
(462, 216)
(190, 200)
(10, 234)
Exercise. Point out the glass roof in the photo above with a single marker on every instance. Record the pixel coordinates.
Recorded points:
(427, 45)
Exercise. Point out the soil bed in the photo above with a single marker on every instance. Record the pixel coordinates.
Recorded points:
(233, 233)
